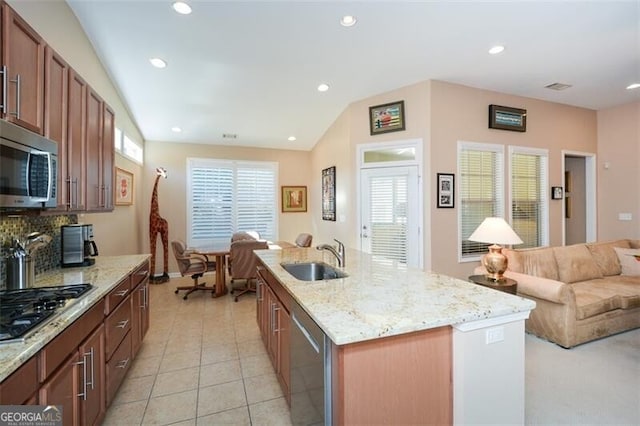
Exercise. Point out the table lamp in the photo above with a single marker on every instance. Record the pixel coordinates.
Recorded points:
(495, 230)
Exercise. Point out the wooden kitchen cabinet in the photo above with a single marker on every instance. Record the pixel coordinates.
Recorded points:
(62, 389)
(139, 307)
(23, 72)
(20, 388)
(76, 381)
(274, 321)
(107, 161)
(76, 143)
(100, 152)
(56, 95)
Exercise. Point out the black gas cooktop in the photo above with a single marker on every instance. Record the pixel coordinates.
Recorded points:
(22, 312)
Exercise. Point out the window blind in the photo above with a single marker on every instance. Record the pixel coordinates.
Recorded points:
(388, 215)
(528, 197)
(481, 188)
(225, 197)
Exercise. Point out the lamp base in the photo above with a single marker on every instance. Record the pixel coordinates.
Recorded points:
(495, 263)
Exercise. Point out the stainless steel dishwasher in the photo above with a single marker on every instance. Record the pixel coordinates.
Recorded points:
(310, 371)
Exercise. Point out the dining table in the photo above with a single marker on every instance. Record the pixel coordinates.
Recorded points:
(220, 251)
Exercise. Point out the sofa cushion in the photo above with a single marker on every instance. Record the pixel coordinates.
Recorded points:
(539, 262)
(628, 288)
(594, 297)
(629, 261)
(575, 263)
(605, 256)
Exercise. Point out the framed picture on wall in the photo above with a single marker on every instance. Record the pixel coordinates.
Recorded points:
(329, 193)
(123, 188)
(294, 199)
(446, 190)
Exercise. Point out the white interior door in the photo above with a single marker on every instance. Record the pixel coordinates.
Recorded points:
(390, 225)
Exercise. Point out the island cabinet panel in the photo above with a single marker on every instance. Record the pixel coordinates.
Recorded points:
(21, 386)
(274, 321)
(402, 379)
(23, 60)
(92, 378)
(62, 388)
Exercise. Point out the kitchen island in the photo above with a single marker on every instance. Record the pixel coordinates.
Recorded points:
(393, 330)
(79, 357)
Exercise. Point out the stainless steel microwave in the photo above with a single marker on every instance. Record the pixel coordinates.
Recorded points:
(28, 169)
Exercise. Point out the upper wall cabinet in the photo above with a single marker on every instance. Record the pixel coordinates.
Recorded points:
(22, 72)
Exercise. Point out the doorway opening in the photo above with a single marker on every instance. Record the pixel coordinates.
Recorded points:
(579, 182)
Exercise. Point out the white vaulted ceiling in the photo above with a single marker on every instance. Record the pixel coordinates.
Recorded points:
(251, 68)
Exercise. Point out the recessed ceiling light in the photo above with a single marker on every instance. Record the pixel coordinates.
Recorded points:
(182, 8)
(158, 63)
(348, 21)
(323, 87)
(291, 138)
(496, 49)
(633, 86)
(176, 129)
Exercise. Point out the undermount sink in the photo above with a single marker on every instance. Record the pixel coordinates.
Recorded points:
(313, 271)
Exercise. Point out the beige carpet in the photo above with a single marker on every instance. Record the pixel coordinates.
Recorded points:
(597, 383)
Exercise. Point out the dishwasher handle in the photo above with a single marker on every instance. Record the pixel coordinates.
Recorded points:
(306, 334)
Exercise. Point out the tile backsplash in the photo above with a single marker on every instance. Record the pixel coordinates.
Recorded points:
(45, 258)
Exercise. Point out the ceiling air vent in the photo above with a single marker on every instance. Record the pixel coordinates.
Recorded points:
(558, 86)
(229, 136)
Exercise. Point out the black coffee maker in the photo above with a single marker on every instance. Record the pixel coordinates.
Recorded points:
(78, 246)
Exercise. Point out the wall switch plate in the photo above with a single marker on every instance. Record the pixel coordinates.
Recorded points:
(494, 335)
(625, 216)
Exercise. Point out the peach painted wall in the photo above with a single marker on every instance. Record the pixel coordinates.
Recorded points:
(339, 147)
(619, 184)
(294, 169)
(441, 114)
(117, 232)
(460, 113)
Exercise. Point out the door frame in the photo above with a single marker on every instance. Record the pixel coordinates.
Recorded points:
(360, 165)
(590, 194)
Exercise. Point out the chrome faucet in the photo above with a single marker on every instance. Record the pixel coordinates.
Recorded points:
(339, 253)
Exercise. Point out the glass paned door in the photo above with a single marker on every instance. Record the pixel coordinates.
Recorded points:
(390, 222)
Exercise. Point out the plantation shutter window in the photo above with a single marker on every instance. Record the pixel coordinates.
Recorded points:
(388, 215)
(224, 197)
(529, 200)
(481, 189)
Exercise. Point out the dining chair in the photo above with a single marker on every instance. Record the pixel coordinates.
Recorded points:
(304, 240)
(194, 264)
(244, 264)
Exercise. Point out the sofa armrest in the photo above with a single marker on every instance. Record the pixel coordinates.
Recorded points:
(540, 288)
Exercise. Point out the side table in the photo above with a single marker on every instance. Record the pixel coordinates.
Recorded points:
(506, 284)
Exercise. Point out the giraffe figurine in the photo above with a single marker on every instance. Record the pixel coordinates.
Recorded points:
(158, 225)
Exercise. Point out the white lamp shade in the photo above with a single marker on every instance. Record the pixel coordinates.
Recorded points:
(495, 230)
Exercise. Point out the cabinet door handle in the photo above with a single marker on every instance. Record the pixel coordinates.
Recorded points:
(69, 199)
(123, 363)
(4, 89)
(259, 289)
(90, 354)
(17, 82)
(276, 318)
(121, 293)
(122, 324)
(143, 302)
(74, 183)
(83, 394)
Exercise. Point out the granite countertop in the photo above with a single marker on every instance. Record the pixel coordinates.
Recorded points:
(104, 275)
(382, 298)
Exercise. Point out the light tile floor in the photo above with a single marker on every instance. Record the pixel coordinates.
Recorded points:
(202, 363)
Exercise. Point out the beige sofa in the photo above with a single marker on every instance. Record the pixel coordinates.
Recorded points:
(579, 290)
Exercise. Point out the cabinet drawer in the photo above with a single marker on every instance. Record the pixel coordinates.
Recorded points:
(139, 275)
(117, 326)
(117, 367)
(58, 350)
(118, 294)
(21, 385)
